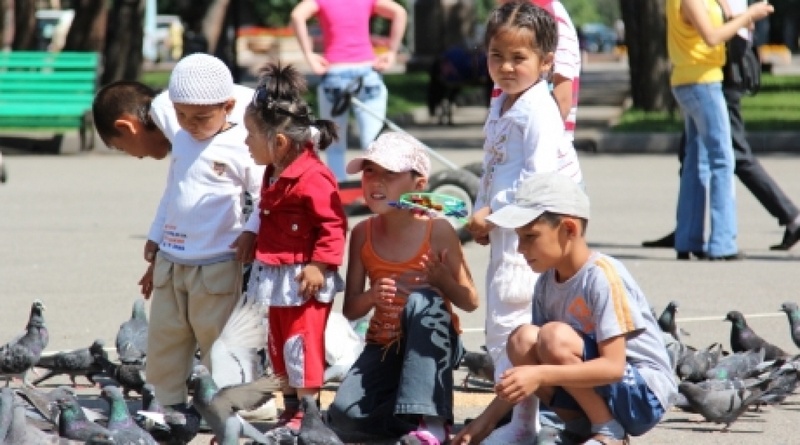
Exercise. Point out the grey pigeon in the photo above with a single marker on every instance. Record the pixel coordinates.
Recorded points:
(794, 320)
(72, 363)
(131, 339)
(313, 430)
(666, 321)
(129, 376)
(720, 405)
(217, 405)
(45, 403)
(478, 364)
(21, 432)
(736, 365)
(694, 365)
(183, 427)
(21, 354)
(6, 411)
(149, 401)
(124, 430)
(743, 338)
(73, 424)
(234, 355)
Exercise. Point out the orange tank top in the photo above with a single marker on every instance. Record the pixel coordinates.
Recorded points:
(384, 327)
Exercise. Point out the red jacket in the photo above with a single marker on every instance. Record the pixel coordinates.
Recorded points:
(302, 217)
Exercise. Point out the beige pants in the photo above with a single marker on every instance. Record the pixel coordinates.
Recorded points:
(190, 306)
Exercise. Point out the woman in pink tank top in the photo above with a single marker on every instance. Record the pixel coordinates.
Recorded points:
(348, 55)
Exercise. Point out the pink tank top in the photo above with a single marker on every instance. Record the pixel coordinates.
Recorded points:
(345, 30)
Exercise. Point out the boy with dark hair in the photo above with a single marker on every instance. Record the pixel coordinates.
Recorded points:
(593, 353)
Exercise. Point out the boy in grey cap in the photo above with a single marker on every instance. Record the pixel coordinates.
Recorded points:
(593, 353)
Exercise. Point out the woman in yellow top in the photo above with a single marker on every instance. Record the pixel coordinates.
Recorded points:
(696, 33)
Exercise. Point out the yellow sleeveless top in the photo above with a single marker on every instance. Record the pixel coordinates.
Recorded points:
(692, 60)
(384, 327)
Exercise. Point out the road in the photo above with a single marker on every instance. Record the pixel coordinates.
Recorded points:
(72, 229)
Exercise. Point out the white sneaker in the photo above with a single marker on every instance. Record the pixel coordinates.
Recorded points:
(266, 412)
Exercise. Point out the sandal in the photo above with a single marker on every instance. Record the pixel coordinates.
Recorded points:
(600, 439)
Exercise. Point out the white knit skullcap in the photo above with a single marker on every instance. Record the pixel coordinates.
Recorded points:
(200, 79)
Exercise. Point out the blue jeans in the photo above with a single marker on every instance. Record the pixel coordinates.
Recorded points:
(388, 388)
(709, 162)
(373, 94)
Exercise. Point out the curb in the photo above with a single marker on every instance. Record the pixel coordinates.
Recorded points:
(603, 141)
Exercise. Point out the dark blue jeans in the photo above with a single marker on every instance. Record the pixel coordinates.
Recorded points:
(389, 388)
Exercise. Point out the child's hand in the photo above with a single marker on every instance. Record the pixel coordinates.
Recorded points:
(473, 432)
(383, 291)
(146, 282)
(435, 267)
(245, 246)
(517, 383)
(478, 226)
(150, 250)
(311, 279)
(482, 240)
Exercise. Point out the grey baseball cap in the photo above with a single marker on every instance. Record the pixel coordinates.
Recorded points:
(539, 193)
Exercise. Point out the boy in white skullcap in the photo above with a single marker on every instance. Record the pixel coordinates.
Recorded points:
(196, 279)
(592, 351)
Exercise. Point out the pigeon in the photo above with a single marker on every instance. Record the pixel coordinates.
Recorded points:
(21, 432)
(6, 411)
(736, 365)
(73, 424)
(217, 405)
(744, 339)
(694, 365)
(129, 376)
(666, 321)
(21, 354)
(149, 401)
(124, 430)
(794, 320)
(478, 364)
(183, 426)
(72, 363)
(234, 356)
(720, 405)
(313, 430)
(131, 340)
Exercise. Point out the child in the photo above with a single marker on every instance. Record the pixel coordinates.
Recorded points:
(524, 135)
(196, 279)
(402, 382)
(299, 232)
(594, 349)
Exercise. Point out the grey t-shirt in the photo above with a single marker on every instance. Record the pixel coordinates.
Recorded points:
(603, 300)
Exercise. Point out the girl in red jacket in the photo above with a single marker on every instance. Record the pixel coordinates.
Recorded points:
(298, 233)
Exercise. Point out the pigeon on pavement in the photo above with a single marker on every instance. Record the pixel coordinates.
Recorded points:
(129, 376)
(720, 405)
(217, 405)
(124, 430)
(72, 363)
(73, 424)
(478, 364)
(6, 411)
(234, 354)
(694, 365)
(793, 313)
(131, 339)
(21, 354)
(736, 365)
(667, 323)
(743, 338)
(313, 430)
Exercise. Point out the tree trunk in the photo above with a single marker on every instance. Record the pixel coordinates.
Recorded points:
(214, 23)
(124, 36)
(88, 29)
(24, 25)
(6, 24)
(646, 39)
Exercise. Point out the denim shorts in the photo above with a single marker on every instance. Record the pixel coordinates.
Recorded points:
(630, 400)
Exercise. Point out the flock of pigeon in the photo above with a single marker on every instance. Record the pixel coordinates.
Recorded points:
(721, 386)
(240, 382)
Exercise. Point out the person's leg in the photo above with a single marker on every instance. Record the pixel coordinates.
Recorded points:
(715, 131)
(170, 342)
(329, 90)
(692, 192)
(374, 96)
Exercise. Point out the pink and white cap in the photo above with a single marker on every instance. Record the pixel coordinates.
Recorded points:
(394, 151)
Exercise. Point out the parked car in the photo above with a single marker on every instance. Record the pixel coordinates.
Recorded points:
(597, 38)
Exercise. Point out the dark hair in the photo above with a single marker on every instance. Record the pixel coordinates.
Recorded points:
(118, 98)
(554, 219)
(280, 108)
(523, 15)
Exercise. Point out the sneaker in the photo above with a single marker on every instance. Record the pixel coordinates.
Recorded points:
(599, 439)
(266, 412)
(422, 436)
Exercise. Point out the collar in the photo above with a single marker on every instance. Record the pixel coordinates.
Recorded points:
(300, 165)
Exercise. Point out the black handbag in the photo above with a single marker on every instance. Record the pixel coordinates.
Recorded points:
(742, 69)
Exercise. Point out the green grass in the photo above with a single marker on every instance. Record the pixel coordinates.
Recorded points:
(775, 107)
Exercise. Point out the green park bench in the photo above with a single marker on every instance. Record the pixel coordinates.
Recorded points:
(44, 91)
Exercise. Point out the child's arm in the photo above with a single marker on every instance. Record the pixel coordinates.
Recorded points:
(446, 269)
(484, 424)
(520, 382)
(357, 302)
(562, 92)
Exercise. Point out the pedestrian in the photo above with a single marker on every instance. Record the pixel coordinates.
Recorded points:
(746, 166)
(696, 33)
(296, 236)
(196, 279)
(524, 135)
(349, 56)
(410, 271)
(593, 351)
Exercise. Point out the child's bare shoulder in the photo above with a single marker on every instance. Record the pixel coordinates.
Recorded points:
(443, 232)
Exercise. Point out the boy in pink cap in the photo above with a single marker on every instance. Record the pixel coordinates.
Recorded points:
(408, 270)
